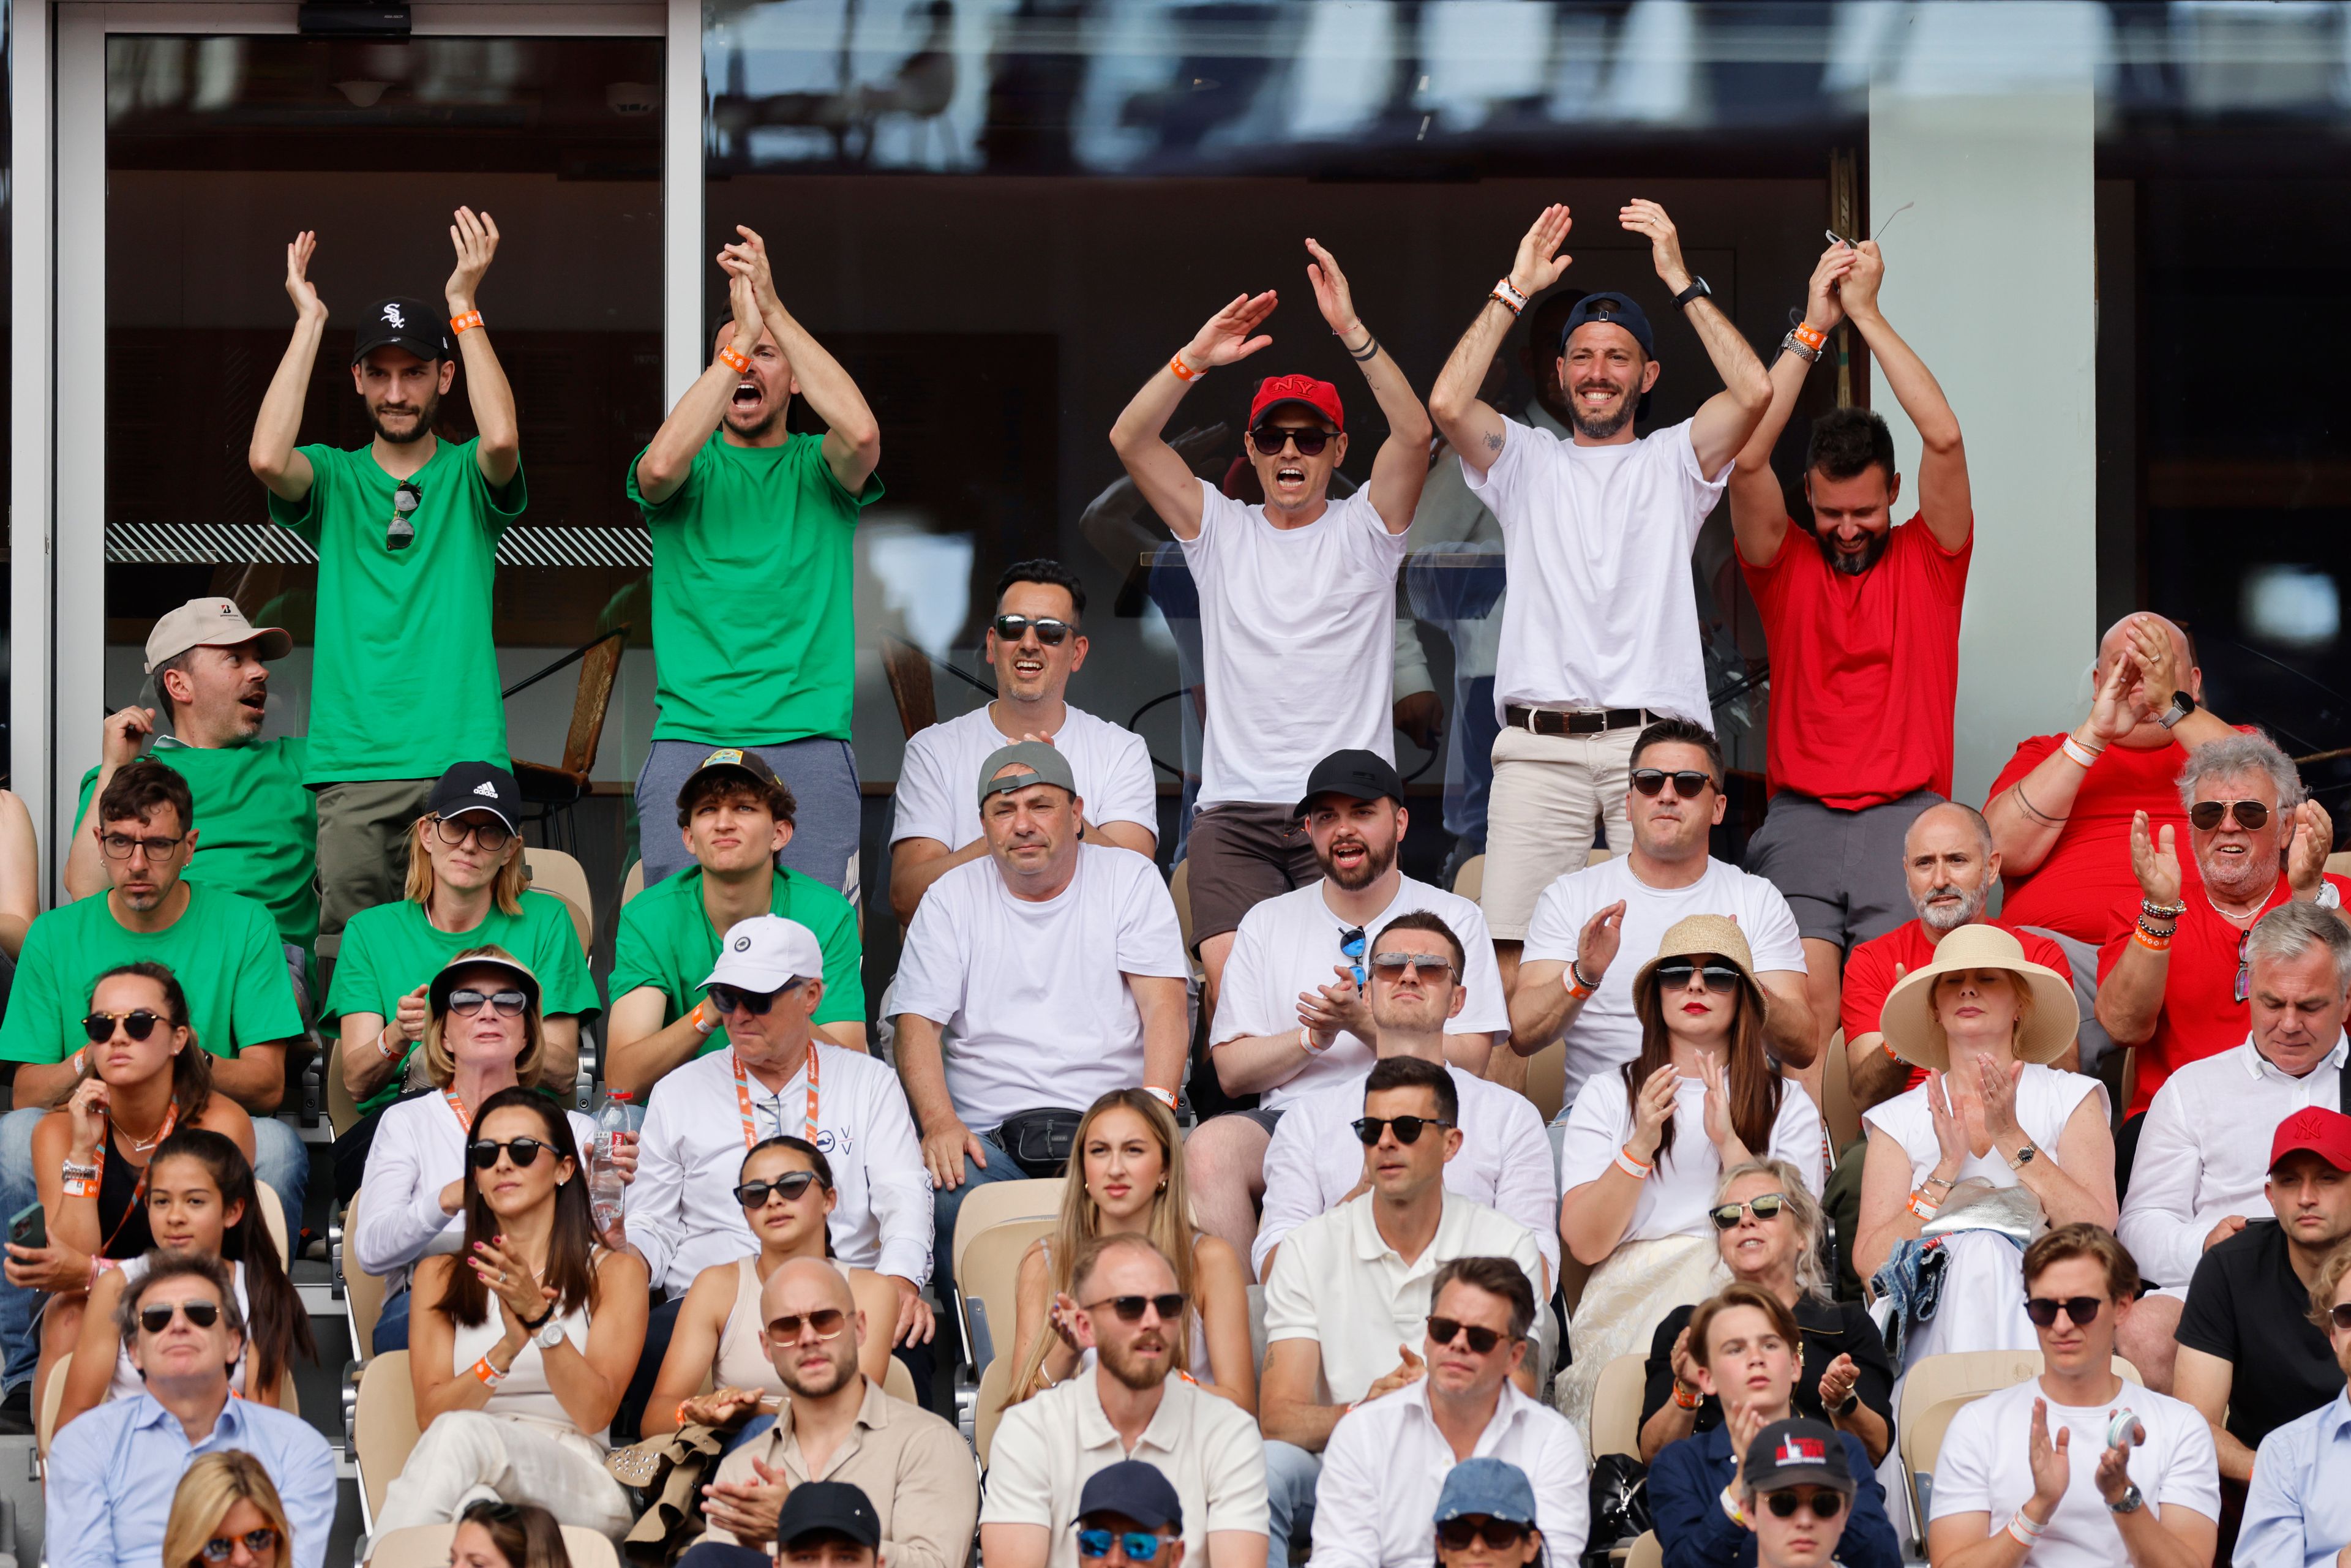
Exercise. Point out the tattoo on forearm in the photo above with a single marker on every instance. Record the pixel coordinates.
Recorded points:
(2033, 812)
(1493, 443)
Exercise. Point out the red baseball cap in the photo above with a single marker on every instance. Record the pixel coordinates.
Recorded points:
(1319, 397)
(2327, 1133)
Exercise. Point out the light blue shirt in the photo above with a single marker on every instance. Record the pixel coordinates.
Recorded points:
(113, 1470)
(2298, 1510)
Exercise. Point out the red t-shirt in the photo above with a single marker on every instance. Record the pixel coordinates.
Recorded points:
(1864, 670)
(1869, 974)
(2088, 870)
(2202, 1014)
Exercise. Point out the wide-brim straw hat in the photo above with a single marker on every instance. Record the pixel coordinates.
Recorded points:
(1908, 1020)
(1694, 936)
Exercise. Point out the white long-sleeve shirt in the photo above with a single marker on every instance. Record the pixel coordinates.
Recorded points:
(2204, 1152)
(681, 1210)
(419, 1148)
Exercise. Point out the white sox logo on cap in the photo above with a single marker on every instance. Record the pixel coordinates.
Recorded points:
(392, 314)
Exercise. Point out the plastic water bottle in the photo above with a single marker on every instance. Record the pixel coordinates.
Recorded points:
(604, 1184)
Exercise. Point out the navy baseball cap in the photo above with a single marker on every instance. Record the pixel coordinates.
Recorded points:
(1136, 1490)
(1493, 1488)
(400, 322)
(1618, 308)
(828, 1507)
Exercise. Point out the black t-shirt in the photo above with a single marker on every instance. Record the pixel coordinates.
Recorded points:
(2247, 1306)
(1829, 1328)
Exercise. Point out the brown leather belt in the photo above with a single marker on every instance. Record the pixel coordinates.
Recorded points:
(1588, 721)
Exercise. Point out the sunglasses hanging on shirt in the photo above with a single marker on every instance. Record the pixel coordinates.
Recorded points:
(406, 497)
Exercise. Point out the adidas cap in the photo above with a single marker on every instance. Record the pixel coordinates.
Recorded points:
(478, 786)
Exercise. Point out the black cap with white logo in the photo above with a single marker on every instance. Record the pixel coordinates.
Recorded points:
(478, 786)
(415, 325)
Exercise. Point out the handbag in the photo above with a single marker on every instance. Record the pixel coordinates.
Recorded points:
(1620, 1505)
(666, 1472)
(1041, 1141)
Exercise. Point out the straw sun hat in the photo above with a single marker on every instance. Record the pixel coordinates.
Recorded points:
(1908, 1018)
(1692, 936)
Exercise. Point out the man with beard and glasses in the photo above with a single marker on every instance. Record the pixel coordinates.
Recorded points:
(1600, 634)
(738, 505)
(1950, 865)
(1126, 1407)
(404, 680)
(1297, 596)
(1294, 1013)
(1864, 630)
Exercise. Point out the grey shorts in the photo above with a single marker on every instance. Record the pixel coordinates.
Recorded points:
(1264, 1118)
(1841, 871)
(1241, 856)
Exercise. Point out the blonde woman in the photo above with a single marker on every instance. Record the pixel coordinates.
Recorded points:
(226, 1514)
(1126, 1172)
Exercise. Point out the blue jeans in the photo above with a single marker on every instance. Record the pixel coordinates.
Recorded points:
(391, 1323)
(945, 1206)
(821, 774)
(1291, 1474)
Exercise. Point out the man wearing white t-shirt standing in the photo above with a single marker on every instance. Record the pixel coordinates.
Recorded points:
(1293, 1014)
(1599, 631)
(1570, 978)
(1037, 979)
(2055, 1472)
(1036, 646)
(1297, 597)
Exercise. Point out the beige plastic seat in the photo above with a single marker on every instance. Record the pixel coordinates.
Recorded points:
(273, 1217)
(364, 1293)
(1647, 1551)
(995, 1385)
(1471, 880)
(53, 1399)
(993, 1204)
(1836, 1077)
(1547, 1080)
(899, 1384)
(552, 870)
(633, 883)
(383, 1429)
(989, 1279)
(427, 1546)
(1616, 1406)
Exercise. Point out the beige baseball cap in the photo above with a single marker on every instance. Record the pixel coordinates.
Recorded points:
(211, 623)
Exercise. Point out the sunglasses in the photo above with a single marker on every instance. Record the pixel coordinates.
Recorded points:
(1763, 1206)
(2250, 815)
(157, 1318)
(785, 1327)
(1138, 1546)
(138, 1023)
(220, 1547)
(509, 1004)
(1673, 975)
(524, 1151)
(726, 999)
(406, 497)
(1482, 1341)
(1352, 943)
(2244, 987)
(1824, 1502)
(1688, 783)
(1498, 1535)
(1270, 439)
(2043, 1311)
(1393, 965)
(1130, 1308)
(791, 1185)
(2341, 1316)
(1407, 1128)
(117, 846)
(491, 836)
(1050, 631)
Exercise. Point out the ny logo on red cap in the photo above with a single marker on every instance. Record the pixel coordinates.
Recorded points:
(1796, 1450)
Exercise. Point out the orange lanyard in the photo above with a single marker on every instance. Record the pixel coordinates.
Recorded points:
(138, 1188)
(743, 1100)
(464, 1123)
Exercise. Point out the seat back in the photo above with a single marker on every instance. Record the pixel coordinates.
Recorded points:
(899, 1384)
(987, 1280)
(53, 1399)
(908, 669)
(1469, 881)
(384, 1429)
(995, 1202)
(363, 1292)
(1547, 1080)
(598, 668)
(427, 1546)
(1934, 1379)
(1926, 1434)
(633, 883)
(1647, 1551)
(1843, 1117)
(273, 1220)
(995, 1384)
(552, 870)
(342, 1111)
(1616, 1406)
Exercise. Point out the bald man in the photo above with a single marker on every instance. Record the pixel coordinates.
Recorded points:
(832, 1424)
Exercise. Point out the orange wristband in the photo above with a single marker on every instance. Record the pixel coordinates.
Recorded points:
(461, 325)
(678, 1415)
(2152, 944)
(490, 1375)
(1810, 336)
(740, 363)
(1182, 371)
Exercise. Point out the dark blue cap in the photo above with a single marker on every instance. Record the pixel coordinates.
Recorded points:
(1132, 1490)
(1619, 308)
(1494, 1487)
(828, 1507)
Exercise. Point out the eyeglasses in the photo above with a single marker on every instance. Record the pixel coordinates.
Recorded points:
(1130, 1308)
(220, 1548)
(1482, 1341)
(117, 846)
(2250, 815)
(1825, 1503)
(828, 1321)
(2043, 1311)
(1138, 1546)
(1269, 439)
(792, 1185)
(1050, 631)
(726, 999)
(509, 1004)
(406, 497)
(524, 1151)
(157, 1318)
(1673, 975)
(491, 836)
(138, 1023)
(1391, 966)
(1498, 1535)
(1407, 1128)
(1352, 942)
(1763, 1206)
(1688, 783)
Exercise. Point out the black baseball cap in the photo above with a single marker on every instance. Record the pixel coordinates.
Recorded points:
(478, 786)
(1798, 1453)
(731, 760)
(1133, 1489)
(828, 1507)
(1619, 308)
(1359, 775)
(416, 324)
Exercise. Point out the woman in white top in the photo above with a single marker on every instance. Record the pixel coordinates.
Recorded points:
(485, 1034)
(1128, 1159)
(785, 1187)
(1983, 1020)
(1645, 1145)
(522, 1343)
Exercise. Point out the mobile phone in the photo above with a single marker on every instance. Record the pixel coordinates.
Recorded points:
(29, 1228)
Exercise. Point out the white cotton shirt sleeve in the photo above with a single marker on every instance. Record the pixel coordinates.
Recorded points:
(1248, 1003)
(1150, 937)
(652, 1207)
(923, 801)
(2158, 1221)
(1293, 1182)
(1123, 785)
(1597, 1125)
(1796, 1134)
(1561, 910)
(935, 963)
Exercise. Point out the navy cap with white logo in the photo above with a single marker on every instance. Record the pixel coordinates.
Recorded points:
(400, 322)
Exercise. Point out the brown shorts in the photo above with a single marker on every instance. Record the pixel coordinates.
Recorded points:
(1240, 857)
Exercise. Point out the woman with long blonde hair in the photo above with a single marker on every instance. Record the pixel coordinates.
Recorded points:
(227, 1514)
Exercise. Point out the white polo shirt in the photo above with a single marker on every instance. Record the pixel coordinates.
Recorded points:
(1289, 944)
(1337, 1281)
(938, 783)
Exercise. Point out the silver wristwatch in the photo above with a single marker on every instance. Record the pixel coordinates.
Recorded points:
(2130, 1502)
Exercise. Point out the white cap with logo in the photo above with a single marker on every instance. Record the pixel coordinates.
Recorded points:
(767, 952)
(211, 623)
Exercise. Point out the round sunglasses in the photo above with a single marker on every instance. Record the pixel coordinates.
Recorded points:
(524, 1151)
(138, 1023)
(1825, 1503)
(1407, 1128)
(792, 1185)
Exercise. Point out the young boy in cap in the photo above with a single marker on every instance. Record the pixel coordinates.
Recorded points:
(1797, 1494)
(405, 676)
(735, 818)
(1297, 597)
(822, 1524)
(1486, 1516)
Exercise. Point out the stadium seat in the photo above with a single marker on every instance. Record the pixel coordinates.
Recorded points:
(899, 1384)
(363, 1291)
(273, 1217)
(995, 1384)
(1616, 1406)
(1547, 1080)
(995, 1202)
(1647, 1551)
(633, 883)
(986, 1284)
(1836, 1078)
(53, 1396)
(427, 1546)
(552, 870)
(1469, 881)
(383, 1429)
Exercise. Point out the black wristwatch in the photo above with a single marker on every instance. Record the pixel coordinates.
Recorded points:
(2182, 705)
(1696, 290)
(1852, 1403)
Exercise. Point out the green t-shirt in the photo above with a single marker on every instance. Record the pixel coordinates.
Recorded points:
(391, 949)
(666, 941)
(404, 675)
(257, 826)
(223, 950)
(773, 524)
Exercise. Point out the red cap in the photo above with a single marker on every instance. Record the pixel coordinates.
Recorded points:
(1319, 397)
(2327, 1133)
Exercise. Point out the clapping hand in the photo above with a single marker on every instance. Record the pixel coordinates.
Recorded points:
(1596, 944)
(1837, 1383)
(1412, 1369)
(1331, 295)
(1538, 264)
(1652, 1109)
(1648, 219)
(1719, 1129)
(1950, 1131)
(2306, 855)
(1999, 1096)
(2053, 1471)
(1227, 336)
(475, 239)
(747, 1509)
(719, 1407)
(511, 1281)
(298, 287)
(2155, 861)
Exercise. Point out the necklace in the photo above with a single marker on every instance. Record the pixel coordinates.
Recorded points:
(2232, 916)
(140, 1146)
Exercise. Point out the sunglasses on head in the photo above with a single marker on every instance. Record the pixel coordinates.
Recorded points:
(1139, 1546)
(792, 1185)
(726, 999)
(1393, 965)
(1130, 1308)
(1498, 1535)
(1482, 1341)
(826, 1322)
(468, 1001)
(1826, 1502)
(524, 1151)
(220, 1548)
(1763, 1206)
(1673, 975)
(2250, 815)
(1050, 631)
(138, 1023)
(158, 1318)
(1269, 439)
(1689, 782)
(2043, 1311)
(1407, 1128)
(406, 497)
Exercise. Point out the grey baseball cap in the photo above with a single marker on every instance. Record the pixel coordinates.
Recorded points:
(1045, 763)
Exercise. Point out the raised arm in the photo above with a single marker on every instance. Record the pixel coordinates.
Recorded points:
(2130, 996)
(1727, 419)
(1759, 512)
(852, 440)
(639, 1049)
(272, 457)
(1402, 463)
(1943, 498)
(1158, 470)
(498, 452)
(669, 457)
(1545, 1002)
(1467, 421)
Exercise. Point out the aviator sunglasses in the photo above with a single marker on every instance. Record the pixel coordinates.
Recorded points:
(1050, 631)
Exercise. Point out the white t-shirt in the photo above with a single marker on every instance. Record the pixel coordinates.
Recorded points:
(1984, 1467)
(938, 783)
(1601, 611)
(1032, 996)
(1298, 636)
(1290, 945)
(1679, 1192)
(1606, 1032)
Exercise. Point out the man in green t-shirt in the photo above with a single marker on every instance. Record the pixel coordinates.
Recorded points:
(261, 832)
(735, 817)
(405, 677)
(741, 510)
